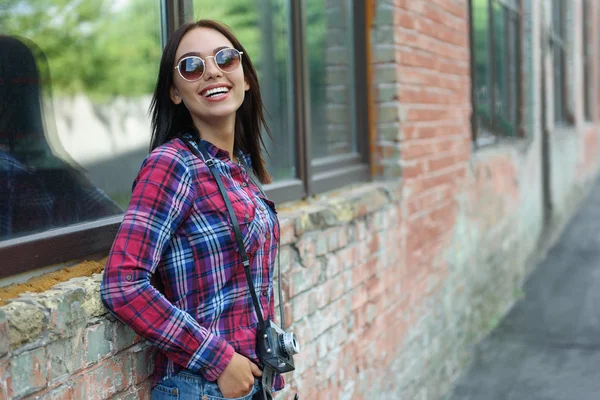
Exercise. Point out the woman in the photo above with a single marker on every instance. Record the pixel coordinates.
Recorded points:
(177, 228)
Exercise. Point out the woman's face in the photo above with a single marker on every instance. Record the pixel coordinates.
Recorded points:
(198, 96)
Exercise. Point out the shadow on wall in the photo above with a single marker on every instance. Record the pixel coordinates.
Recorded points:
(39, 189)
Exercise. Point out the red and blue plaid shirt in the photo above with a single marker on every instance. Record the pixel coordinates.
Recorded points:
(177, 226)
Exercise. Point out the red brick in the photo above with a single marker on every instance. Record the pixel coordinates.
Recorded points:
(287, 231)
(427, 114)
(142, 357)
(444, 161)
(144, 390)
(108, 377)
(416, 149)
(360, 296)
(450, 176)
(6, 391)
(428, 200)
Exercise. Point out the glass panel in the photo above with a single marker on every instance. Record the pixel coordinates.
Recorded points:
(329, 40)
(513, 70)
(558, 66)
(557, 17)
(262, 26)
(75, 84)
(502, 61)
(558, 62)
(586, 60)
(481, 46)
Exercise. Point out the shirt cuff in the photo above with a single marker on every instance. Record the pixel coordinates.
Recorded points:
(212, 357)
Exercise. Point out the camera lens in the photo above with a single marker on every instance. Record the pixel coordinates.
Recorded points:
(290, 343)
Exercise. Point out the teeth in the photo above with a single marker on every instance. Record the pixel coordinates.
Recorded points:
(212, 92)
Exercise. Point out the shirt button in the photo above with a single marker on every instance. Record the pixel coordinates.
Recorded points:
(128, 277)
(268, 236)
(244, 184)
(262, 208)
(265, 292)
(246, 216)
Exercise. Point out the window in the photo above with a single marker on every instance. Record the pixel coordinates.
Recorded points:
(496, 61)
(587, 61)
(75, 84)
(66, 172)
(262, 28)
(557, 39)
(305, 54)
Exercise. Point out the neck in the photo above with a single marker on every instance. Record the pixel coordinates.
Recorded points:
(220, 133)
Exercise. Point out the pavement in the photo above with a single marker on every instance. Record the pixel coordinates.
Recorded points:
(548, 346)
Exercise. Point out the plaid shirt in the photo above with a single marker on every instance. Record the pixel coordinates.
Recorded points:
(177, 227)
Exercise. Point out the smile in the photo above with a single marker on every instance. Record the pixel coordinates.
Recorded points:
(215, 92)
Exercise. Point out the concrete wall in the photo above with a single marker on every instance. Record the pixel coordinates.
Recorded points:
(388, 284)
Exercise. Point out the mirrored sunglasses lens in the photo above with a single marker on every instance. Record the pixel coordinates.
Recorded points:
(191, 68)
(228, 59)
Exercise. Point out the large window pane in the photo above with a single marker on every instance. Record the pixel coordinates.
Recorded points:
(482, 60)
(514, 69)
(262, 26)
(500, 64)
(587, 62)
(495, 43)
(558, 60)
(329, 33)
(77, 77)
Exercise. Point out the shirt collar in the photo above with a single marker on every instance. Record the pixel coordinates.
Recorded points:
(219, 153)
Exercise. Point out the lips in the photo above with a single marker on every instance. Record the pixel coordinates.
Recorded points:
(215, 91)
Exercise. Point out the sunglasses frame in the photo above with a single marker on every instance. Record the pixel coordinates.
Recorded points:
(204, 61)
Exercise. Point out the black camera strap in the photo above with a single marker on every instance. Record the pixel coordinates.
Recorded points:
(236, 228)
(259, 186)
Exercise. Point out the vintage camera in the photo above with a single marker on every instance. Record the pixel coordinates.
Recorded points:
(276, 347)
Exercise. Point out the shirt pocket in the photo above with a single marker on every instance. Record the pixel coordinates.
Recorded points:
(271, 211)
(214, 215)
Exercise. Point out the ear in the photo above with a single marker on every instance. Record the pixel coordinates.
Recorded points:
(246, 85)
(174, 95)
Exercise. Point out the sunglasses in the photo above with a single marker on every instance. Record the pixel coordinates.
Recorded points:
(192, 68)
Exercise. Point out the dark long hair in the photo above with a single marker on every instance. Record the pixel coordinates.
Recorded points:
(169, 120)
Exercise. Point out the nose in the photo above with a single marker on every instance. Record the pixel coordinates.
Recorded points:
(211, 69)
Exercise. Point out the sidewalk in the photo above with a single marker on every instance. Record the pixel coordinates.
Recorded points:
(548, 347)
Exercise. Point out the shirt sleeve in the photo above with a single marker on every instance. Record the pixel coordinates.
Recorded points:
(162, 198)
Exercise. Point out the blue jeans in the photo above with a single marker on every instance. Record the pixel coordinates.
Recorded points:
(189, 386)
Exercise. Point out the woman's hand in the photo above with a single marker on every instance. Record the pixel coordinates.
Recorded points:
(237, 379)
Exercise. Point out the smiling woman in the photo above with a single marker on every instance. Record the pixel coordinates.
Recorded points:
(207, 100)
(222, 77)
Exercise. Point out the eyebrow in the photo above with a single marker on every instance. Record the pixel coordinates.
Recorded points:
(196, 53)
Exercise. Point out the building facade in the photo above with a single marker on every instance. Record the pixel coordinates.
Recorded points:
(423, 151)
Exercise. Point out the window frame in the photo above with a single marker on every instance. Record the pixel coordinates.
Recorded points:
(511, 13)
(323, 174)
(91, 240)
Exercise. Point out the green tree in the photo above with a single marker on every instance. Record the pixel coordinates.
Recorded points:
(91, 46)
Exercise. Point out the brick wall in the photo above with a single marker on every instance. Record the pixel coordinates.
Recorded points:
(387, 284)
(62, 344)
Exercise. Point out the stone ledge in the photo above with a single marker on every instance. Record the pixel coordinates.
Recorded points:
(338, 207)
(34, 320)
(39, 318)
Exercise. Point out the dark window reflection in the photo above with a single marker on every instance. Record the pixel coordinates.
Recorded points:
(495, 36)
(38, 189)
